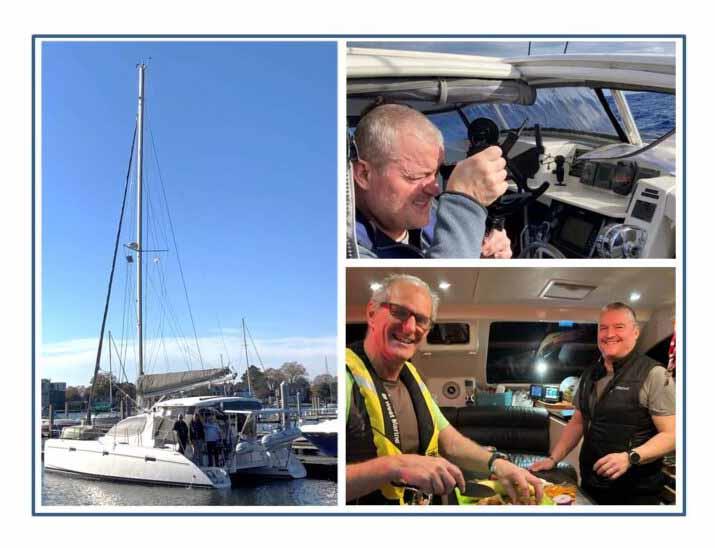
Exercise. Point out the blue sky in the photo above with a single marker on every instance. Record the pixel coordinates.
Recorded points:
(245, 136)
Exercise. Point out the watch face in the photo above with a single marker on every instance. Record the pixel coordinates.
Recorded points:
(634, 457)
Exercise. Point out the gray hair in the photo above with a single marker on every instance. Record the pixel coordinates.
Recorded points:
(382, 294)
(621, 306)
(377, 131)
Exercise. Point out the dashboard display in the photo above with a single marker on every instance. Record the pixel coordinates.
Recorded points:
(623, 178)
(588, 173)
(576, 232)
(644, 210)
(604, 174)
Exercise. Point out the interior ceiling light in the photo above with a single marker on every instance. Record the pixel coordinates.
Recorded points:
(444, 286)
(635, 296)
(570, 291)
(375, 286)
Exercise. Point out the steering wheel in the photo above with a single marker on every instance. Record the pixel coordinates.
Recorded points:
(483, 133)
(541, 250)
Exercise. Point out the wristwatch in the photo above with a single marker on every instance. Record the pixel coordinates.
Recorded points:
(496, 455)
(634, 458)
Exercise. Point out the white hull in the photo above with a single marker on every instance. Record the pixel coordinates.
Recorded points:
(96, 459)
(277, 463)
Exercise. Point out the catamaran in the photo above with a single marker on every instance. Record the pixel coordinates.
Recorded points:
(143, 448)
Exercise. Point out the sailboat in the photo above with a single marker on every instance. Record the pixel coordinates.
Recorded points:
(143, 448)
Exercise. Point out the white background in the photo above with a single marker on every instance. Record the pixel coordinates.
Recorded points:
(358, 17)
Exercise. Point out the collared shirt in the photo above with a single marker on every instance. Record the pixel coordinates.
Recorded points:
(657, 395)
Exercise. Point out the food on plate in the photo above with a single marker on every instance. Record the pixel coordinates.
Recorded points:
(563, 500)
(553, 490)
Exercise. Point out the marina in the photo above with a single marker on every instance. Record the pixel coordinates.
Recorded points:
(194, 428)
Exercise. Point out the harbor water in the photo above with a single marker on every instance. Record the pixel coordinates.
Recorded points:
(63, 490)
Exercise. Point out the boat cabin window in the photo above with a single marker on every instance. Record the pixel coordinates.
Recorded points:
(355, 332)
(568, 109)
(128, 428)
(654, 113)
(449, 333)
(164, 430)
(539, 352)
(241, 405)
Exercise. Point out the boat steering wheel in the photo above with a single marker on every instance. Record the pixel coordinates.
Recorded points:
(483, 133)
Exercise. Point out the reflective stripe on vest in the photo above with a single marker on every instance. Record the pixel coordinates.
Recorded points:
(385, 446)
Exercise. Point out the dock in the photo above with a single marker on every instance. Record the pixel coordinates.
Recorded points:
(317, 465)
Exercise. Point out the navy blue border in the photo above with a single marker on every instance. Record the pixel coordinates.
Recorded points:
(683, 370)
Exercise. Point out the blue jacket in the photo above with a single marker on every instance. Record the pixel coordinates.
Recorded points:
(455, 230)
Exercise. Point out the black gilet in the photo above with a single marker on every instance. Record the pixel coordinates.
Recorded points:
(618, 423)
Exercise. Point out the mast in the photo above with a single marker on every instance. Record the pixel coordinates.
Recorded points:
(140, 164)
(109, 348)
(248, 365)
(330, 383)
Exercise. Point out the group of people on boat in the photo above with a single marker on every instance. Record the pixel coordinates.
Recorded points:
(206, 437)
(399, 442)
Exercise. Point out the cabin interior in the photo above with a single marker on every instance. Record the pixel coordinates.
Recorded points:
(509, 338)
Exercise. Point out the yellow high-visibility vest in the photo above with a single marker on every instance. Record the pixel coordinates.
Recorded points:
(383, 444)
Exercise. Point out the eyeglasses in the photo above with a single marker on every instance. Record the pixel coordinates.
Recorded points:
(403, 314)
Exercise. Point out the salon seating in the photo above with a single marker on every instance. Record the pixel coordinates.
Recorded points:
(520, 432)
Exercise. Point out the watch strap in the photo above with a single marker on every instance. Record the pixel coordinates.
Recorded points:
(496, 455)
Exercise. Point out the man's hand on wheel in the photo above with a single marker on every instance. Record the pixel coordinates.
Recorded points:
(482, 176)
(496, 245)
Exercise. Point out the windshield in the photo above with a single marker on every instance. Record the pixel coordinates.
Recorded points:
(654, 113)
(575, 110)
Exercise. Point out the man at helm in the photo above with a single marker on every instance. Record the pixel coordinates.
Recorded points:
(399, 152)
(396, 434)
(625, 413)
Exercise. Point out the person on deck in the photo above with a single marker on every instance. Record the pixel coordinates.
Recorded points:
(213, 440)
(181, 433)
(198, 438)
(397, 436)
(625, 413)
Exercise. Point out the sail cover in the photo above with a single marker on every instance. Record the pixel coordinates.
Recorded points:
(163, 383)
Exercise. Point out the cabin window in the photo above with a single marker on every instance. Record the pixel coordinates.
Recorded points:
(241, 405)
(355, 332)
(539, 352)
(654, 113)
(449, 333)
(164, 430)
(128, 428)
(567, 109)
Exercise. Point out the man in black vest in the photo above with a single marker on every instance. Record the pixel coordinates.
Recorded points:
(625, 412)
(411, 443)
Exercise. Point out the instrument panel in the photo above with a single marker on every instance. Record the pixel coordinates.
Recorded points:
(618, 178)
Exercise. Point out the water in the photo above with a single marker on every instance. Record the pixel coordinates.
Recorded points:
(62, 490)
(654, 113)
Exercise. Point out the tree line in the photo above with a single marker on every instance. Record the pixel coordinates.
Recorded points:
(265, 385)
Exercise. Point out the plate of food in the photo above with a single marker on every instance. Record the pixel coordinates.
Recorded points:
(493, 493)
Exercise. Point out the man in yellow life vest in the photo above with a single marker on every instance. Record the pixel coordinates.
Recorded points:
(396, 435)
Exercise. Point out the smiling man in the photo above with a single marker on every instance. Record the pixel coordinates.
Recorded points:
(625, 412)
(397, 437)
(401, 210)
